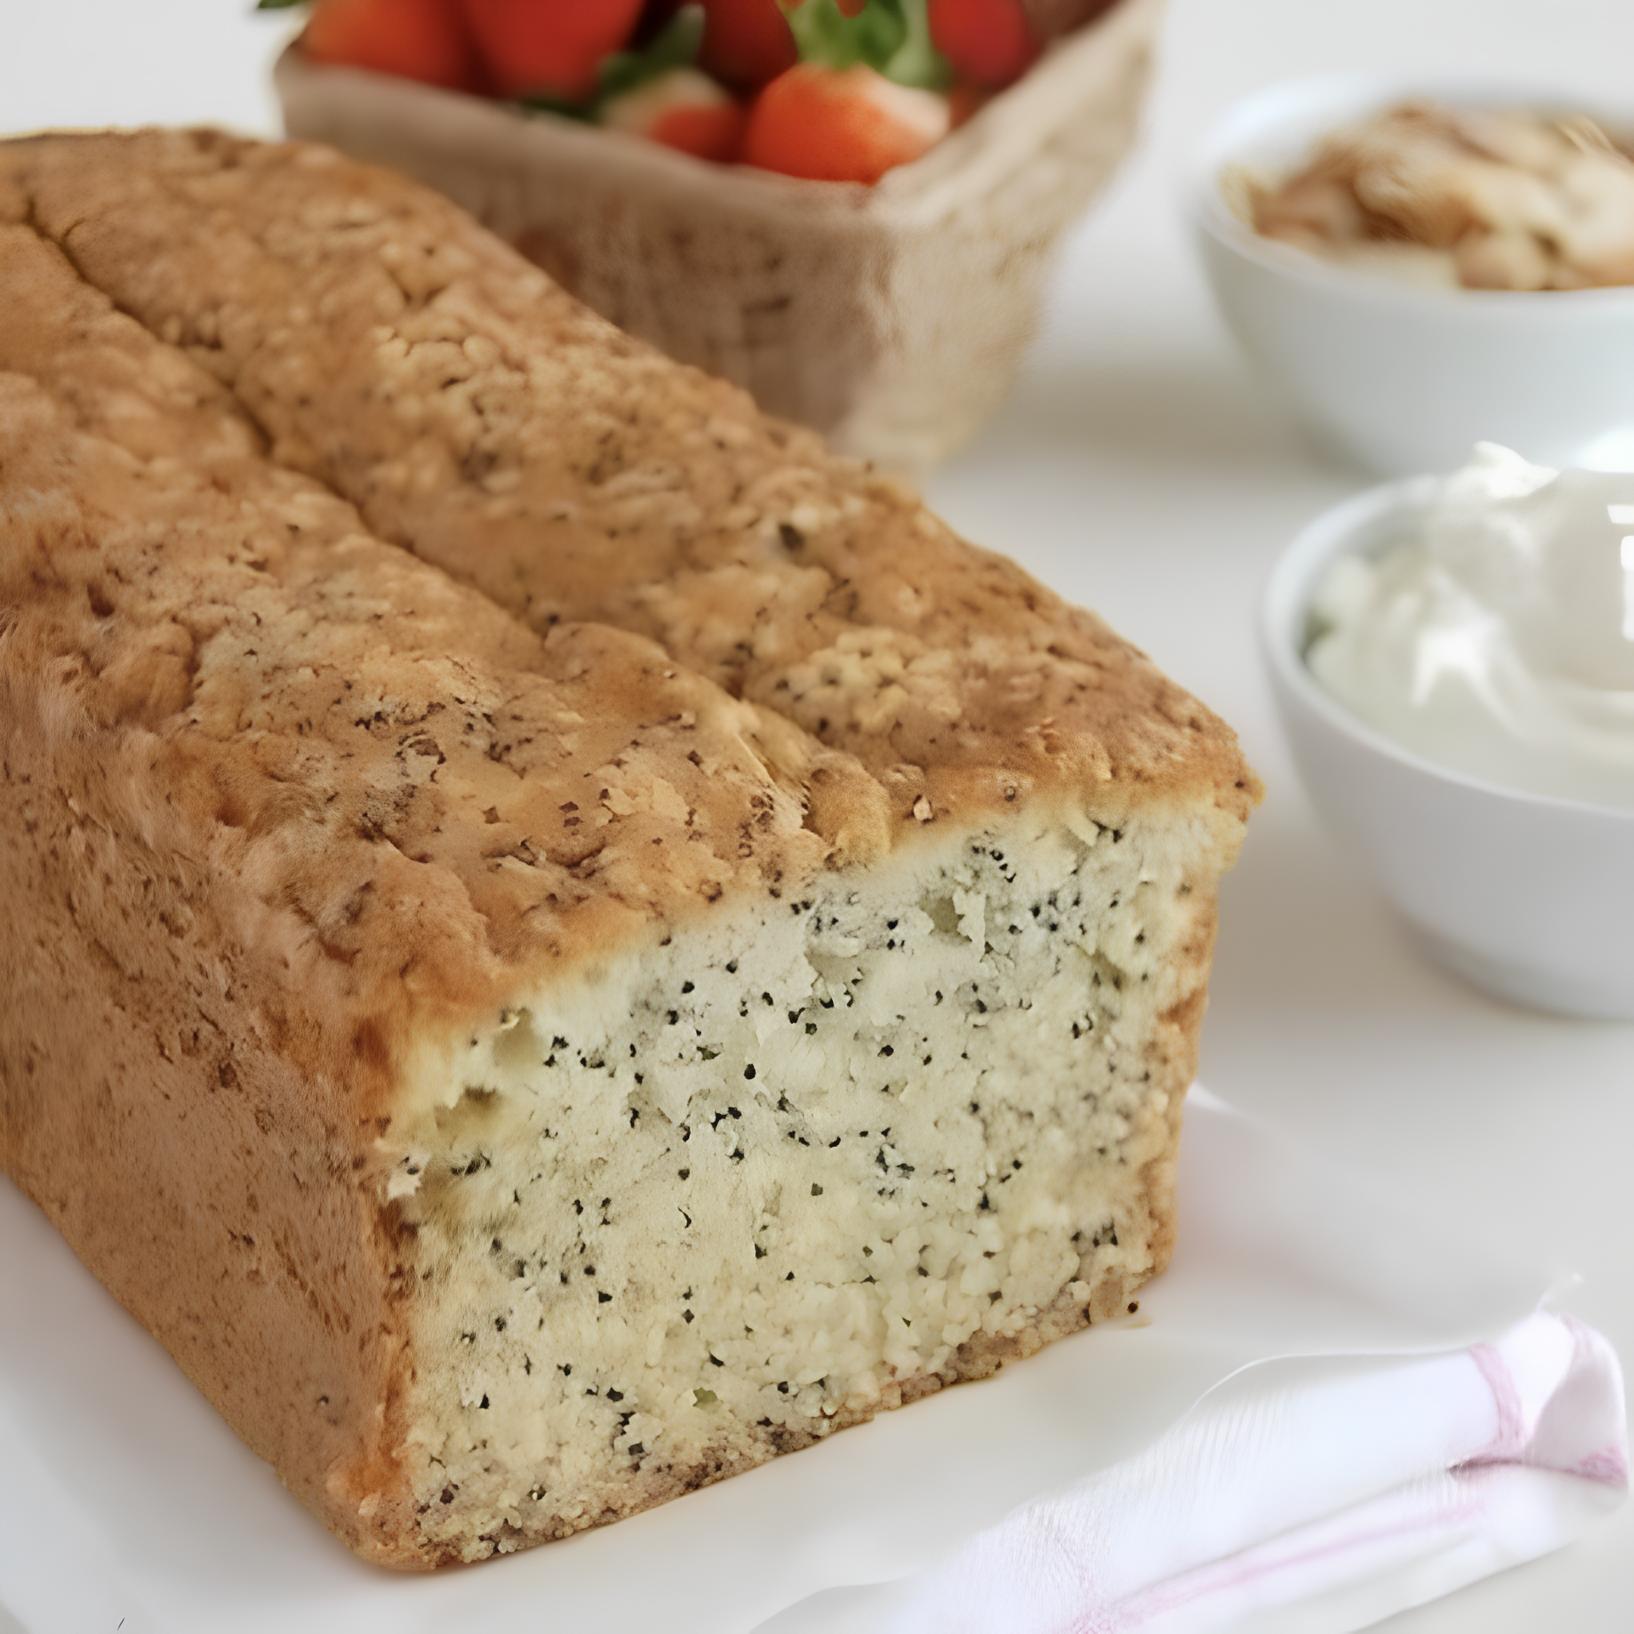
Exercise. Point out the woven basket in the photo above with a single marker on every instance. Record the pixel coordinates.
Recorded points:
(891, 318)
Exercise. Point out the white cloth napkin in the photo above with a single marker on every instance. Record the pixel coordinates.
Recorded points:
(1321, 1502)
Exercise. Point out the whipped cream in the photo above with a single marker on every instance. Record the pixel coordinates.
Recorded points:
(1496, 637)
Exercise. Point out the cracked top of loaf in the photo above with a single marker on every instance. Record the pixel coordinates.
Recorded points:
(655, 647)
(406, 788)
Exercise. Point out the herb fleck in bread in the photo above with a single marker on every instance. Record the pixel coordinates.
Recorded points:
(566, 941)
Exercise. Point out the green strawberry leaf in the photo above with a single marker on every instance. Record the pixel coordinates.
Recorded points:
(824, 34)
(278, 5)
(890, 36)
(917, 61)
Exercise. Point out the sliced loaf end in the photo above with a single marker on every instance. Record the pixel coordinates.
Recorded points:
(805, 1160)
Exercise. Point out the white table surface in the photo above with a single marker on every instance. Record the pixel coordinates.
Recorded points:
(1137, 468)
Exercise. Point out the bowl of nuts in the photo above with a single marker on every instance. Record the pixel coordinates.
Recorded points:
(1418, 268)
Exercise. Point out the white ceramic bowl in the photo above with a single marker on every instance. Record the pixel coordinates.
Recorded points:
(1400, 377)
(1529, 897)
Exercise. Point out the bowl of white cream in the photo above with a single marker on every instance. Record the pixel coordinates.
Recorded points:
(1453, 659)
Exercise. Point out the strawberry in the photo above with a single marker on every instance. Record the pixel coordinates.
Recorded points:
(747, 42)
(988, 42)
(680, 108)
(412, 39)
(841, 124)
(553, 47)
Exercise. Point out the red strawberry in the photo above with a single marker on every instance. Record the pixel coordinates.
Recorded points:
(682, 109)
(746, 42)
(988, 42)
(841, 124)
(412, 39)
(553, 47)
(749, 42)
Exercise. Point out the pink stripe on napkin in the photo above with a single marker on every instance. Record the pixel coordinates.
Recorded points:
(1339, 1499)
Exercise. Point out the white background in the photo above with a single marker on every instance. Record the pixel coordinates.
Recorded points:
(1138, 469)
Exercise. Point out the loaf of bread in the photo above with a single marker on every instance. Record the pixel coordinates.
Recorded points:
(560, 941)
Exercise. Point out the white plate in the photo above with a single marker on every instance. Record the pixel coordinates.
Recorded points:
(124, 1497)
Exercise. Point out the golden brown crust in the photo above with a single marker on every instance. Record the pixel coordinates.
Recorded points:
(477, 414)
(430, 794)
(270, 1294)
